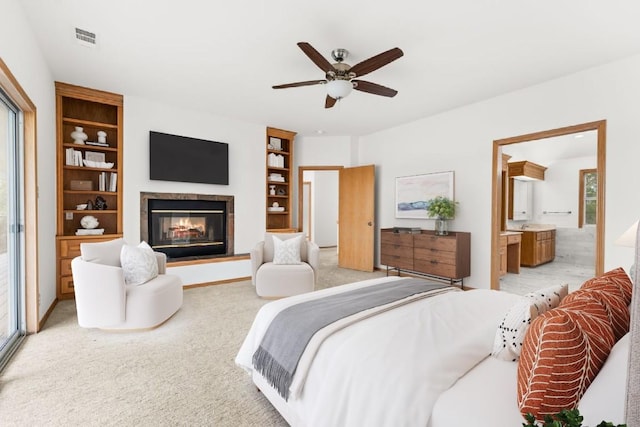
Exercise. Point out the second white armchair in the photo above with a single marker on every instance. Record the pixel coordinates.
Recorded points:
(284, 264)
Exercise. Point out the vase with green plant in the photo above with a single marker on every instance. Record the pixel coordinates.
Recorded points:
(442, 209)
(564, 418)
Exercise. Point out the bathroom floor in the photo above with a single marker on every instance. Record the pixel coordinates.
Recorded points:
(542, 276)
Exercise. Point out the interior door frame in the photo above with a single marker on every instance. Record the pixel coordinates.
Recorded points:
(600, 126)
(301, 170)
(307, 185)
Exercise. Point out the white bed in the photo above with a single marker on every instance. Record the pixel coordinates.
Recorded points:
(388, 369)
(402, 367)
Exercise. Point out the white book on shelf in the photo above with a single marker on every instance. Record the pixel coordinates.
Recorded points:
(101, 183)
(113, 181)
(69, 156)
(77, 158)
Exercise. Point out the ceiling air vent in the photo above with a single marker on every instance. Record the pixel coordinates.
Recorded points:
(85, 37)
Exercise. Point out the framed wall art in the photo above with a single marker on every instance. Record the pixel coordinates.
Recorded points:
(413, 192)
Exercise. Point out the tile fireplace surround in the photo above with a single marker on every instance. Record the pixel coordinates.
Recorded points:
(229, 203)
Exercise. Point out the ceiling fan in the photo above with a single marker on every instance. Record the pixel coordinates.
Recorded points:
(340, 78)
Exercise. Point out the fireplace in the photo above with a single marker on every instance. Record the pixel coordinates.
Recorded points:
(187, 225)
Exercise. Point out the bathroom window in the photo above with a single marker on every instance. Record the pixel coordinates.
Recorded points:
(588, 197)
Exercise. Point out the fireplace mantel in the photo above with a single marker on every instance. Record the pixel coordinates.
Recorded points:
(229, 201)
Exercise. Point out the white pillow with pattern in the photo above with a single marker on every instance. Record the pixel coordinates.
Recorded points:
(513, 327)
(139, 263)
(286, 251)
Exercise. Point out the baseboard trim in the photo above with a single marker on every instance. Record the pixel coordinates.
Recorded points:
(197, 261)
(46, 315)
(217, 282)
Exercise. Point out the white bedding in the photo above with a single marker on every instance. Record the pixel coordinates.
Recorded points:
(486, 395)
(389, 369)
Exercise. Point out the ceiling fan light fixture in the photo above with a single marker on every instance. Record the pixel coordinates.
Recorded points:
(339, 77)
(338, 89)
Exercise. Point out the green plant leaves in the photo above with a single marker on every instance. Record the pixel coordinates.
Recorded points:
(565, 418)
(441, 207)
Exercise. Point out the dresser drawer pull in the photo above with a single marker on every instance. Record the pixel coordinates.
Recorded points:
(433, 261)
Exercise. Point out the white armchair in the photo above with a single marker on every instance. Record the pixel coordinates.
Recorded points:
(104, 300)
(274, 280)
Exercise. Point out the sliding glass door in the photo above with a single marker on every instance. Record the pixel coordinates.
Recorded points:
(11, 230)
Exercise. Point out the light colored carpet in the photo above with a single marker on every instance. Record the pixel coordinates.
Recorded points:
(182, 373)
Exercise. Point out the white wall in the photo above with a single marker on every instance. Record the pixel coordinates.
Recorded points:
(321, 151)
(21, 54)
(560, 192)
(461, 140)
(246, 175)
(325, 208)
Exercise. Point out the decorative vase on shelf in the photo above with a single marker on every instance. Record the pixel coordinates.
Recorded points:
(78, 135)
(441, 228)
(272, 190)
(102, 137)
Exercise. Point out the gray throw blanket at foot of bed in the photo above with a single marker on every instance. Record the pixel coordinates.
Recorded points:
(291, 330)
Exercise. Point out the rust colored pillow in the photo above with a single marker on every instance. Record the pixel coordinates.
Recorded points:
(616, 276)
(591, 316)
(612, 298)
(562, 353)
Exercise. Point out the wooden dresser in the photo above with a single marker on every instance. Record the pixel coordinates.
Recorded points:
(396, 249)
(443, 257)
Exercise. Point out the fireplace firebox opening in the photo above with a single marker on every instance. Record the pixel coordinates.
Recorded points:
(187, 225)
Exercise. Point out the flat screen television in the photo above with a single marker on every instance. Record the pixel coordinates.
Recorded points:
(184, 159)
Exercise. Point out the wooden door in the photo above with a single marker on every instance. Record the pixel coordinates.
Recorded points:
(356, 204)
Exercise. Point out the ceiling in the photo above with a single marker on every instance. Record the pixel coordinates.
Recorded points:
(223, 57)
(549, 150)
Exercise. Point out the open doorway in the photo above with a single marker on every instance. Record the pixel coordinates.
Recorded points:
(318, 208)
(354, 223)
(560, 210)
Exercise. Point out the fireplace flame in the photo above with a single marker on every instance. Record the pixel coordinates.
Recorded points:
(184, 228)
(186, 224)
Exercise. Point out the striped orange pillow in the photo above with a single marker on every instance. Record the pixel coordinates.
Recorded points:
(562, 353)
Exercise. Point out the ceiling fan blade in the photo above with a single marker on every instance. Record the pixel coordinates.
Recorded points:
(374, 88)
(298, 84)
(329, 102)
(316, 57)
(375, 62)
